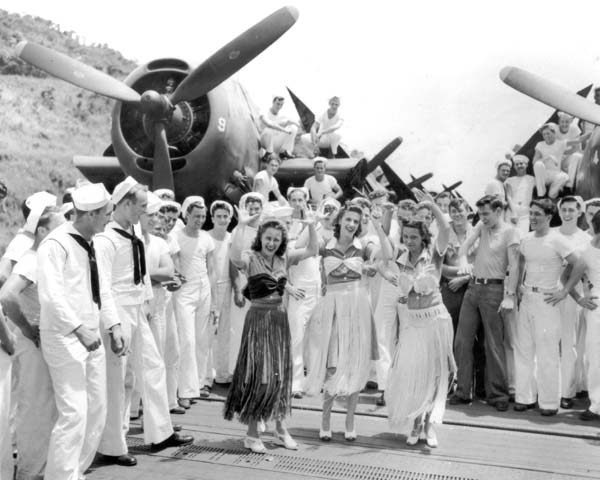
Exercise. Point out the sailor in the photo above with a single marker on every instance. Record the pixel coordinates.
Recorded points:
(489, 297)
(547, 162)
(519, 193)
(265, 182)
(324, 133)
(25, 237)
(34, 397)
(253, 204)
(277, 132)
(570, 210)
(321, 185)
(192, 304)
(537, 348)
(69, 298)
(221, 213)
(496, 186)
(122, 265)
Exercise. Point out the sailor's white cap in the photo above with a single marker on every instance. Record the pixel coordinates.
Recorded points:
(171, 203)
(320, 159)
(66, 207)
(123, 189)
(503, 161)
(278, 212)
(291, 190)
(91, 196)
(190, 200)
(165, 194)
(520, 157)
(154, 204)
(255, 196)
(221, 204)
(37, 203)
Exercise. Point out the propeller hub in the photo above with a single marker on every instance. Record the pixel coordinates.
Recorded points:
(178, 124)
(154, 104)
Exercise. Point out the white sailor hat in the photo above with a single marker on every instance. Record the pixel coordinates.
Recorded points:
(291, 190)
(320, 159)
(171, 203)
(66, 208)
(577, 198)
(221, 204)
(564, 115)
(189, 201)
(278, 212)
(503, 161)
(154, 204)
(551, 125)
(123, 189)
(165, 194)
(91, 196)
(520, 157)
(255, 196)
(37, 203)
(328, 201)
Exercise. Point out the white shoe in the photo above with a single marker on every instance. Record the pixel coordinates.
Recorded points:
(254, 444)
(325, 435)
(285, 440)
(413, 438)
(350, 436)
(431, 437)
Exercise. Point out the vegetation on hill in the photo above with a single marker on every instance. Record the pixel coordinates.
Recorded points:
(46, 121)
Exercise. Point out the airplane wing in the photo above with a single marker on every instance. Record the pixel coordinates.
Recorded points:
(106, 170)
(528, 148)
(396, 183)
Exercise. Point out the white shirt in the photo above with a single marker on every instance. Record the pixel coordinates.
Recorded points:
(521, 189)
(114, 254)
(268, 183)
(193, 254)
(221, 258)
(28, 299)
(64, 286)
(307, 271)
(591, 257)
(544, 258)
(273, 118)
(495, 187)
(320, 190)
(325, 123)
(21, 242)
(556, 150)
(173, 244)
(571, 134)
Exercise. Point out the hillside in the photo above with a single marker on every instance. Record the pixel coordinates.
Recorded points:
(46, 121)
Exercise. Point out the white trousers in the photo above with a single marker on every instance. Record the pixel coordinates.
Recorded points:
(196, 337)
(555, 180)
(6, 461)
(171, 352)
(36, 409)
(237, 317)
(581, 363)
(569, 319)
(299, 312)
(329, 140)
(144, 369)
(386, 323)
(537, 348)
(79, 383)
(221, 351)
(275, 141)
(592, 348)
(572, 164)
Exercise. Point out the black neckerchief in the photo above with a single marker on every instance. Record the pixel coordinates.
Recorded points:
(89, 248)
(139, 258)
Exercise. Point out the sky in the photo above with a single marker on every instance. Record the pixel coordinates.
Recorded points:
(426, 71)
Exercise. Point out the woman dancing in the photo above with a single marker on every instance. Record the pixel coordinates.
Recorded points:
(342, 334)
(423, 363)
(261, 387)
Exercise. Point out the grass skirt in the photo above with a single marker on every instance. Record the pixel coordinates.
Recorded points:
(341, 334)
(261, 387)
(421, 369)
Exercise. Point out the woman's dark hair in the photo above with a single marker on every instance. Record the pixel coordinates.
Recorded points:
(349, 207)
(277, 225)
(421, 227)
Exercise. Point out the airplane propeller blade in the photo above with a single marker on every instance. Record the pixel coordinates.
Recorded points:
(75, 72)
(162, 173)
(233, 56)
(550, 93)
(383, 154)
(452, 187)
(418, 182)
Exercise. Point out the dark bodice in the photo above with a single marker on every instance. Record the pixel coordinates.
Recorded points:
(262, 285)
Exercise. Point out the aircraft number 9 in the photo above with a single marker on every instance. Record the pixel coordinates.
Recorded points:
(221, 124)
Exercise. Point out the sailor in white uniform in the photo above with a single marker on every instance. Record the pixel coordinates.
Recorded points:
(34, 397)
(122, 266)
(70, 334)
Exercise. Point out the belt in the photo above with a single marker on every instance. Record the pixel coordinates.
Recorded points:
(487, 281)
(533, 289)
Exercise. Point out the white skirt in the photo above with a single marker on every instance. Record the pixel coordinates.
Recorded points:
(422, 368)
(341, 334)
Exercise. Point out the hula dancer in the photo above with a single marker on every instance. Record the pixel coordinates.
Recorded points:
(261, 387)
(423, 363)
